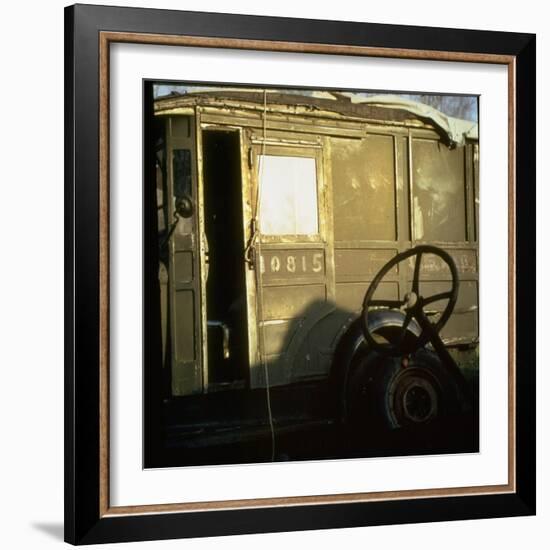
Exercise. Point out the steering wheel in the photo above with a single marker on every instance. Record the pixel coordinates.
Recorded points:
(413, 303)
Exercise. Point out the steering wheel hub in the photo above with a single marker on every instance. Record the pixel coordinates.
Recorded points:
(411, 298)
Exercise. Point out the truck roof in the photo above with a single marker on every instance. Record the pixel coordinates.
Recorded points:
(380, 108)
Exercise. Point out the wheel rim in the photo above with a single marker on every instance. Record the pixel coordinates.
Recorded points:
(413, 397)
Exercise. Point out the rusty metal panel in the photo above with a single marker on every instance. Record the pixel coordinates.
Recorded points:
(433, 266)
(185, 342)
(363, 175)
(183, 266)
(181, 126)
(403, 189)
(350, 296)
(361, 264)
(323, 335)
(292, 264)
(276, 367)
(467, 295)
(461, 328)
(236, 107)
(287, 302)
(277, 335)
(310, 363)
(476, 188)
(278, 125)
(438, 192)
(463, 323)
(295, 272)
(465, 261)
(185, 375)
(184, 283)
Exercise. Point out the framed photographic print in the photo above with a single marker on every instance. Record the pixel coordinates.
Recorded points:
(299, 274)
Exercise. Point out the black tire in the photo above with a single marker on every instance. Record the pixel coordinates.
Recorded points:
(362, 403)
(384, 394)
(417, 394)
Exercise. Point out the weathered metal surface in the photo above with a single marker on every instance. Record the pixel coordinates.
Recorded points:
(294, 269)
(290, 301)
(184, 283)
(438, 191)
(184, 266)
(278, 335)
(364, 188)
(163, 284)
(433, 266)
(475, 181)
(328, 107)
(361, 264)
(349, 296)
(184, 322)
(383, 182)
(467, 295)
(292, 265)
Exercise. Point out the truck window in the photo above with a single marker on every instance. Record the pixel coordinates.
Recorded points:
(182, 170)
(288, 200)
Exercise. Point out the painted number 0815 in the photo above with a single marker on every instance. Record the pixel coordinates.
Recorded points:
(294, 264)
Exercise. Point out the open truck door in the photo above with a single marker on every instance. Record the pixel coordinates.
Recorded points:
(184, 253)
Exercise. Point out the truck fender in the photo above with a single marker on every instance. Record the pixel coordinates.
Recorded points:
(352, 343)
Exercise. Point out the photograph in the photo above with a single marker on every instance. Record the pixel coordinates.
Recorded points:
(311, 270)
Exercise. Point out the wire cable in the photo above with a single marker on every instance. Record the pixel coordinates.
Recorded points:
(255, 243)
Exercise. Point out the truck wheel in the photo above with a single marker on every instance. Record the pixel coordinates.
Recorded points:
(390, 392)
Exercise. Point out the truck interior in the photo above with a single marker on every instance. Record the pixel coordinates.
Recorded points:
(225, 282)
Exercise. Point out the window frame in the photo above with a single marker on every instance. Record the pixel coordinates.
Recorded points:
(280, 149)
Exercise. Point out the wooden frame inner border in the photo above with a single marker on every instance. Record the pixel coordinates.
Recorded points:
(105, 39)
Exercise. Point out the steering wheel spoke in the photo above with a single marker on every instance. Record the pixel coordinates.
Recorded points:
(413, 303)
(404, 327)
(437, 297)
(416, 275)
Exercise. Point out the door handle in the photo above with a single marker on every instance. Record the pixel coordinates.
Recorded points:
(225, 335)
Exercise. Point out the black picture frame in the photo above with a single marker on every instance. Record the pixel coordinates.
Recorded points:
(86, 515)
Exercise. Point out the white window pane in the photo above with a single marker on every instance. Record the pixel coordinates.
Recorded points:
(288, 196)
